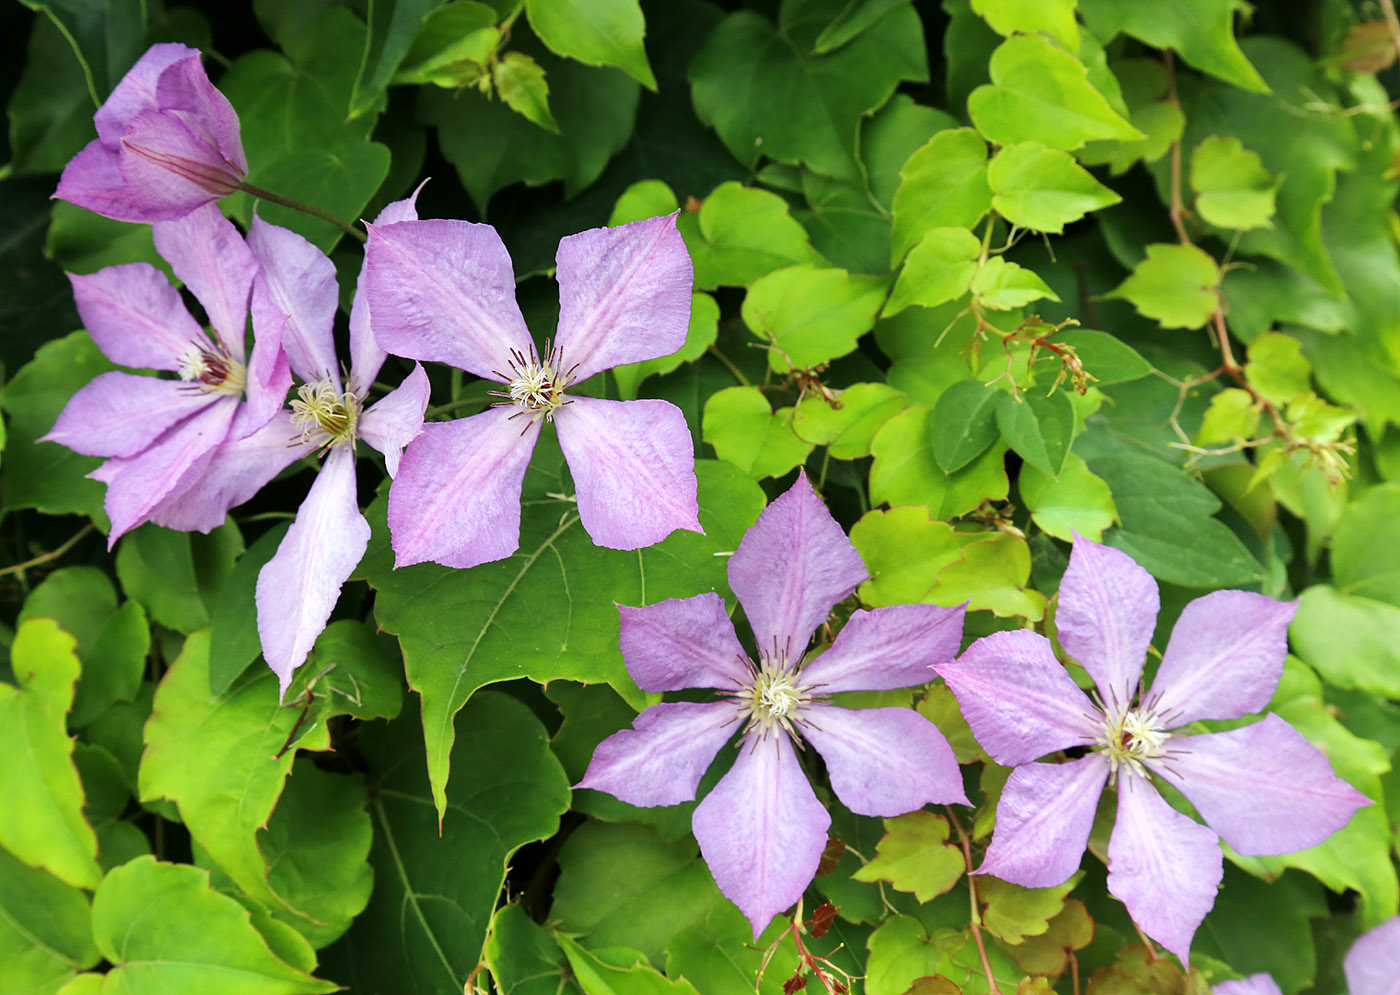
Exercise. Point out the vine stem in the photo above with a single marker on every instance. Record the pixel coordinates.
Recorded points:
(1392, 22)
(297, 205)
(52, 554)
(975, 920)
(1177, 209)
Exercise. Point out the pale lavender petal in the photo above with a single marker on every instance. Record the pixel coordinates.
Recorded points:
(92, 179)
(137, 90)
(883, 761)
(456, 499)
(1372, 966)
(269, 375)
(891, 647)
(119, 414)
(1264, 788)
(660, 760)
(366, 357)
(1255, 984)
(1224, 658)
(1107, 610)
(633, 464)
(444, 291)
(296, 279)
(298, 588)
(135, 316)
(238, 468)
(624, 294)
(396, 419)
(1018, 699)
(1043, 821)
(210, 258)
(762, 830)
(169, 169)
(682, 643)
(791, 567)
(1163, 866)
(184, 88)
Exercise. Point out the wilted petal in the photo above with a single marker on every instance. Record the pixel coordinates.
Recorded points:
(892, 647)
(184, 87)
(682, 643)
(660, 760)
(1043, 822)
(1224, 658)
(444, 291)
(119, 414)
(883, 761)
(298, 588)
(210, 258)
(762, 830)
(456, 499)
(170, 169)
(296, 279)
(1107, 610)
(1372, 966)
(1264, 788)
(1255, 984)
(135, 316)
(396, 419)
(137, 90)
(633, 464)
(1018, 699)
(791, 567)
(624, 294)
(1163, 866)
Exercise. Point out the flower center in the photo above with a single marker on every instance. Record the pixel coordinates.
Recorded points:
(324, 415)
(775, 697)
(1133, 736)
(212, 369)
(535, 385)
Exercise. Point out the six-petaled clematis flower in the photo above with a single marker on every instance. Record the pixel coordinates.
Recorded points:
(1372, 966)
(444, 290)
(762, 829)
(161, 435)
(1263, 788)
(167, 143)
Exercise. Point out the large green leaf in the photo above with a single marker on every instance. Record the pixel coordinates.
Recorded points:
(906, 472)
(107, 38)
(393, 25)
(176, 575)
(1202, 31)
(597, 32)
(942, 185)
(45, 928)
(746, 431)
(811, 315)
(1176, 285)
(740, 234)
(1353, 642)
(1043, 189)
(524, 958)
(938, 269)
(1364, 545)
(49, 109)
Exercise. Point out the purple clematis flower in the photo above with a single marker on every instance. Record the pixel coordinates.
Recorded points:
(762, 829)
(1372, 966)
(1263, 788)
(159, 435)
(167, 143)
(445, 291)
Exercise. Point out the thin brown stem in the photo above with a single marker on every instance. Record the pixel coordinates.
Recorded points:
(51, 555)
(1177, 209)
(297, 205)
(975, 920)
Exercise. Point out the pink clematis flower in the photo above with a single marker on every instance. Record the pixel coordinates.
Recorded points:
(159, 435)
(1372, 966)
(445, 291)
(167, 143)
(762, 829)
(1263, 788)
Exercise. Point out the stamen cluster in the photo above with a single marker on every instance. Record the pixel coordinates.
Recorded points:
(212, 369)
(325, 415)
(775, 697)
(534, 385)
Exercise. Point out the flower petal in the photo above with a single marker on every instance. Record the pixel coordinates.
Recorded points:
(1018, 699)
(135, 316)
(883, 761)
(444, 291)
(633, 464)
(1043, 821)
(456, 499)
(1372, 966)
(170, 169)
(892, 647)
(396, 419)
(269, 375)
(1264, 788)
(660, 760)
(682, 643)
(184, 88)
(298, 588)
(137, 90)
(1107, 611)
(119, 414)
(762, 830)
(624, 294)
(92, 180)
(1255, 984)
(297, 279)
(366, 357)
(791, 567)
(210, 258)
(1224, 658)
(1162, 865)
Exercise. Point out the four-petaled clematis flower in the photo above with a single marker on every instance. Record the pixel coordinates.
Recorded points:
(1263, 788)
(161, 435)
(167, 143)
(1372, 966)
(762, 829)
(445, 291)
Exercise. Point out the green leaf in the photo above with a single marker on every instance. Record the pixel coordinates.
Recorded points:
(45, 928)
(1233, 189)
(1074, 501)
(1201, 31)
(964, 423)
(1043, 189)
(901, 952)
(1013, 913)
(597, 977)
(1106, 358)
(740, 234)
(847, 426)
(1039, 428)
(436, 883)
(747, 61)
(699, 336)
(523, 956)
(596, 32)
(339, 181)
(1351, 641)
(352, 670)
(1003, 286)
(42, 823)
(811, 315)
(233, 631)
(1364, 544)
(1040, 93)
(938, 269)
(1054, 17)
(1277, 368)
(49, 109)
(106, 802)
(1176, 285)
(744, 430)
(893, 135)
(520, 82)
(394, 25)
(106, 38)
(905, 471)
(915, 856)
(846, 226)
(1231, 418)
(853, 19)
(164, 929)
(176, 575)
(453, 46)
(644, 199)
(944, 184)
